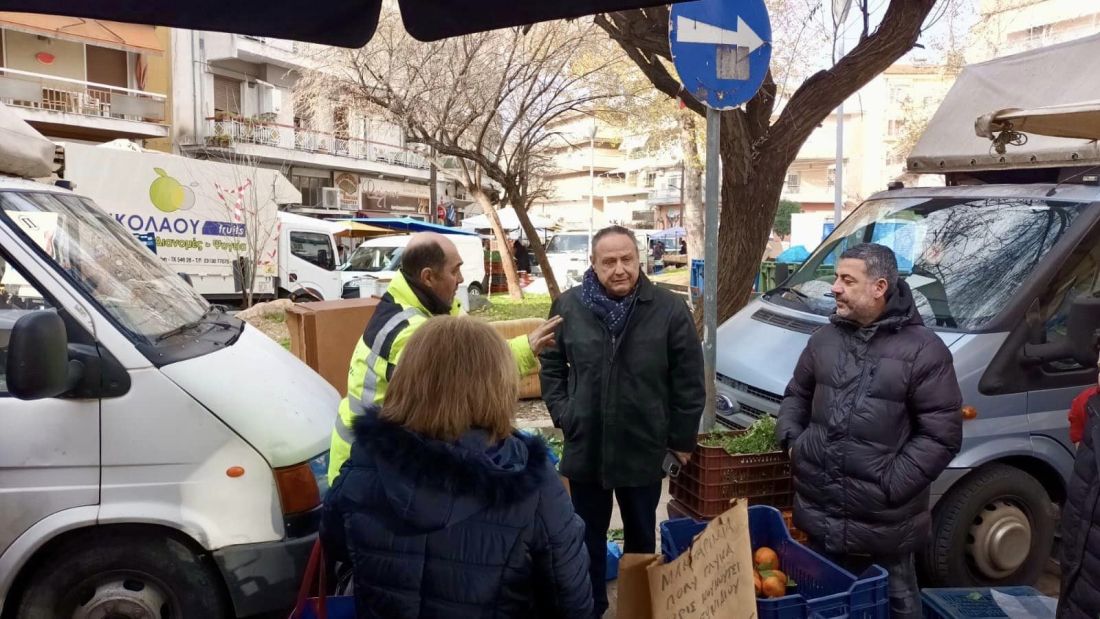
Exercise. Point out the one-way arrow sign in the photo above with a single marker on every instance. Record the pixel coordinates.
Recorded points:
(691, 31)
(721, 49)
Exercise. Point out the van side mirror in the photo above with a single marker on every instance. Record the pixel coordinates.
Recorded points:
(1082, 339)
(38, 358)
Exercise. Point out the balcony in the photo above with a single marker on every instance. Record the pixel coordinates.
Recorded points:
(664, 196)
(227, 132)
(63, 107)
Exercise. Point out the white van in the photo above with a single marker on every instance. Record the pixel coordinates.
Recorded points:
(374, 263)
(159, 458)
(308, 259)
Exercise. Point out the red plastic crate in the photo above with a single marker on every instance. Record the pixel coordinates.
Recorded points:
(709, 508)
(748, 489)
(714, 465)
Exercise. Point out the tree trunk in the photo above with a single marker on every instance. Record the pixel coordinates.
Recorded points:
(536, 245)
(750, 197)
(506, 258)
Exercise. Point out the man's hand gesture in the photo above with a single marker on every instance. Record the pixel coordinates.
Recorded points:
(543, 337)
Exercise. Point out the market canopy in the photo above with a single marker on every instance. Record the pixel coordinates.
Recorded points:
(508, 220)
(347, 23)
(669, 234)
(1074, 120)
(408, 224)
(356, 228)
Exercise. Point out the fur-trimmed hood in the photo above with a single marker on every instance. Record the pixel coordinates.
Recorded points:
(432, 484)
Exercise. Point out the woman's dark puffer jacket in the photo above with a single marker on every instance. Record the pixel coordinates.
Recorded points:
(1080, 597)
(872, 417)
(456, 530)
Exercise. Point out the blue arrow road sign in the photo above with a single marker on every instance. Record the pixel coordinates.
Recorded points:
(721, 49)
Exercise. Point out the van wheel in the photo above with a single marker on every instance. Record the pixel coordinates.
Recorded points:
(994, 528)
(123, 575)
(475, 291)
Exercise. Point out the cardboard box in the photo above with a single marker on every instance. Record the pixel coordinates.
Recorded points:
(324, 334)
(529, 386)
(712, 580)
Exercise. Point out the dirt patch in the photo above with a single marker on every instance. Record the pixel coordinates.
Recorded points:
(270, 319)
(532, 413)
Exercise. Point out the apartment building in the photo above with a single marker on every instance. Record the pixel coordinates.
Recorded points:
(86, 80)
(235, 100)
(1008, 27)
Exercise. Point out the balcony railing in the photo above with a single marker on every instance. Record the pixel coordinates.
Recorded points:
(668, 195)
(59, 94)
(226, 132)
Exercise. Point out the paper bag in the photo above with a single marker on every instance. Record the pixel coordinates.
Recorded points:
(712, 580)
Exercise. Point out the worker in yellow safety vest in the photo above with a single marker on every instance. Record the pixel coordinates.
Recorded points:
(425, 286)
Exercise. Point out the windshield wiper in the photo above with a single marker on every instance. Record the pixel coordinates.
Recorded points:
(798, 293)
(210, 312)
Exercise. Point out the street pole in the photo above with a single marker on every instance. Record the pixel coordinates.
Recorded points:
(838, 175)
(710, 266)
(840, 15)
(433, 189)
(591, 185)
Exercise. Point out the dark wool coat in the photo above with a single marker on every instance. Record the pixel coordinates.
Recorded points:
(1080, 597)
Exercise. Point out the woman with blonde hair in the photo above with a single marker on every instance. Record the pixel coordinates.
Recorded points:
(443, 509)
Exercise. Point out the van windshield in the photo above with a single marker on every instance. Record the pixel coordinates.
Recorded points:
(106, 262)
(374, 259)
(568, 244)
(964, 259)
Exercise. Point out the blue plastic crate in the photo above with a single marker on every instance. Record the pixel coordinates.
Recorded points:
(824, 589)
(614, 553)
(974, 603)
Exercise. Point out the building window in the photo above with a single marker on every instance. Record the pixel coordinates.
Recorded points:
(227, 95)
(674, 181)
(314, 248)
(794, 182)
(311, 187)
(650, 179)
(830, 177)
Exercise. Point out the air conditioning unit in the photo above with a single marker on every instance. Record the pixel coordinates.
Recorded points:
(330, 197)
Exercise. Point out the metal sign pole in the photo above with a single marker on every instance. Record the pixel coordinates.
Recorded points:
(710, 265)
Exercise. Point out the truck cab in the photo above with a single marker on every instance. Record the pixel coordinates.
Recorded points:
(308, 259)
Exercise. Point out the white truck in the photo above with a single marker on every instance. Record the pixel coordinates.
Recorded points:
(211, 221)
(159, 458)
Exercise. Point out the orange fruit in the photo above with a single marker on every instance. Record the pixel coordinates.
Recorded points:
(773, 587)
(780, 575)
(759, 584)
(766, 559)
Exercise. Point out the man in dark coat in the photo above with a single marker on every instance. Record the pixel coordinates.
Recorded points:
(870, 419)
(1080, 597)
(625, 385)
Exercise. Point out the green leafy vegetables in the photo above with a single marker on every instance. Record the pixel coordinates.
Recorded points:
(758, 439)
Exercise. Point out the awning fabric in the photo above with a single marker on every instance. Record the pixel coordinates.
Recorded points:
(116, 35)
(1074, 120)
(347, 23)
(408, 224)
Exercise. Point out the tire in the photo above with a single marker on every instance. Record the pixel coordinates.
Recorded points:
(133, 574)
(475, 290)
(995, 502)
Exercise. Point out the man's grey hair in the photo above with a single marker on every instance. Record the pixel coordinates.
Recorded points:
(879, 260)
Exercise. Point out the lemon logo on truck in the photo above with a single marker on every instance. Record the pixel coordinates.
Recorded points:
(169, 195)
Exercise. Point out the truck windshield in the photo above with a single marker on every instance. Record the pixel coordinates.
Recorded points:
(568, 244)
(964, 259)
(374, 259)
(106, 261)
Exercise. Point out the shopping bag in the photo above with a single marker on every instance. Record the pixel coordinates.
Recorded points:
(321, 606)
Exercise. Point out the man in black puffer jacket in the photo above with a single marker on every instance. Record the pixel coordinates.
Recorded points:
(871, 418)
(1080, 597)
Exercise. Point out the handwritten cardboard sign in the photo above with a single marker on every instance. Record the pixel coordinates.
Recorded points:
(712, 580)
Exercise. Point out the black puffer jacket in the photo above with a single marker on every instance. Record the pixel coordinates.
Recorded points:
(623, 404)
(1080, 597)
(872, 417)
(455, 530)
